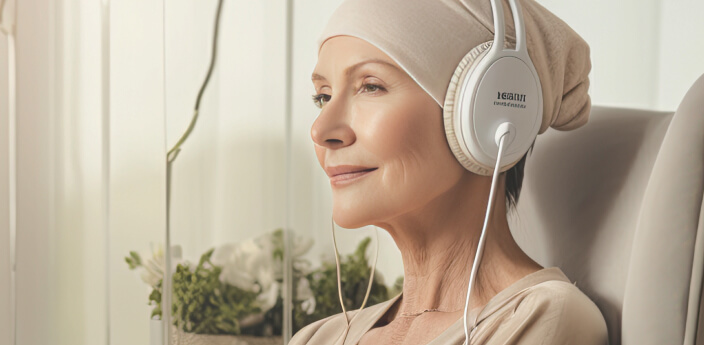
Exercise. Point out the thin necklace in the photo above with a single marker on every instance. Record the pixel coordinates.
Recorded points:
(427, 311)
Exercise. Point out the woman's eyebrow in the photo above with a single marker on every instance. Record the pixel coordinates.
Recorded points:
(351, 69)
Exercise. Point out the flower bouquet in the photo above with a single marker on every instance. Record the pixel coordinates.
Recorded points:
(233, 296)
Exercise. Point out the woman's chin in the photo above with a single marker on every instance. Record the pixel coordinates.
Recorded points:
(349, 221)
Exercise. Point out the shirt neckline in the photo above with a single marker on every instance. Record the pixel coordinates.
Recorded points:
(499, 300)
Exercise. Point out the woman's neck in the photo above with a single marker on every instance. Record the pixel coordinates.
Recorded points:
(438, 244)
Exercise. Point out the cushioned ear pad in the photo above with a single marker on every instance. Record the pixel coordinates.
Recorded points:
(464, 68)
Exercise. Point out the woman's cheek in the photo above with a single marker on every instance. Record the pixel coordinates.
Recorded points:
(388, 130)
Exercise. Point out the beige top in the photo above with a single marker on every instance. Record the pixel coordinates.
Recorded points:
(542, 308)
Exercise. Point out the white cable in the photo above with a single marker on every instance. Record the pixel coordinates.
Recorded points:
(339, 283)
(482, 237)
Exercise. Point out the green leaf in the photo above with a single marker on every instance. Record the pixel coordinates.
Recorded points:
(137, 259)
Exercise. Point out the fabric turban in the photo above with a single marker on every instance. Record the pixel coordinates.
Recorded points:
(428, 38)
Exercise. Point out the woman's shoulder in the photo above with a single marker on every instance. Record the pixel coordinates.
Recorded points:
(563, 314)
(327, 330)
(563, 297)
(305, 334)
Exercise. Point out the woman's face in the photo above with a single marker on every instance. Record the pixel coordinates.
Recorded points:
(374, 115)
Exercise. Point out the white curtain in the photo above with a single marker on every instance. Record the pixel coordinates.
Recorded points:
(60, 238)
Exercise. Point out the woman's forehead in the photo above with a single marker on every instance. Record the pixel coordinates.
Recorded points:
(346, 54)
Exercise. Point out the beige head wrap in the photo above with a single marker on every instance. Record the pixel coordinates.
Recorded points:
(428, 38)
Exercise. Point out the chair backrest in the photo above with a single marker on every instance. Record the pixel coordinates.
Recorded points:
(617, 205)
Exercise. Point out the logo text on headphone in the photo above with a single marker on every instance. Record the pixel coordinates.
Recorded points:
(510, 96)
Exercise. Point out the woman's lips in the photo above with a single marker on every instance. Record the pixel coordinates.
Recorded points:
(349, 177)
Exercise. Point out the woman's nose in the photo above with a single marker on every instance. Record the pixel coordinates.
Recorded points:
(332, 127)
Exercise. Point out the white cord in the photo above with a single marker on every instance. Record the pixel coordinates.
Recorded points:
(482, 237)
(339, 284)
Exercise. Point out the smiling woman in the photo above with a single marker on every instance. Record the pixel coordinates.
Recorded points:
(370, 127)
(383, 70)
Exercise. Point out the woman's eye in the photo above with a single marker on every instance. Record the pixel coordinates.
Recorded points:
(372, 87)
(319, 98)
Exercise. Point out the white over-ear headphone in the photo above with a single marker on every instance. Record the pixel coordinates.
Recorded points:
(492, 86)
(494, 103)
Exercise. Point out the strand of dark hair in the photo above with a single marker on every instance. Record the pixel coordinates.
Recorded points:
(514, 181)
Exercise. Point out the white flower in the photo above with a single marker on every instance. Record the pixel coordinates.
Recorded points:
(250, 265)
(244, 265)
(308, 306)
(153, 266)
(267, 299)
(304, 293)
(303, 290)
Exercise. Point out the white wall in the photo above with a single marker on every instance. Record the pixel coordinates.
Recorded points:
(681, 51)
(645, 54)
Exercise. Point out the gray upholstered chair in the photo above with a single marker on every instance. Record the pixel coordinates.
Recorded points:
(617, 205)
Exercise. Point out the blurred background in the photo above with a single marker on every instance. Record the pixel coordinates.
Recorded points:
(93, 94)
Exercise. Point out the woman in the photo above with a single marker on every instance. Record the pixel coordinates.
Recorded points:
(382, 74)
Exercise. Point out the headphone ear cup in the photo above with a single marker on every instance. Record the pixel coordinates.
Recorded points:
(463, 70)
